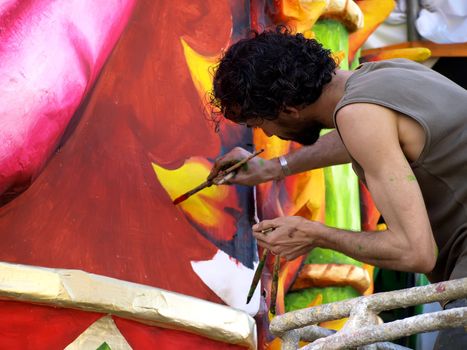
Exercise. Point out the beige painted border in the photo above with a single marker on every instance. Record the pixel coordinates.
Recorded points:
(80, 290)
(347, 11)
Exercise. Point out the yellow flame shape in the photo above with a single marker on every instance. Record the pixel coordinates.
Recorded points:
(202, 205)
(201, 69)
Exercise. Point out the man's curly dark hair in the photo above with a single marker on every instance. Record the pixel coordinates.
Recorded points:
(258, 76)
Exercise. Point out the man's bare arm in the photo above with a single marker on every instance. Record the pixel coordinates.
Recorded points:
(295, 236)
(328, 150)
(371, 136)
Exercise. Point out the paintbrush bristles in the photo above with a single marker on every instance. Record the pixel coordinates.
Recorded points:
(188, 194)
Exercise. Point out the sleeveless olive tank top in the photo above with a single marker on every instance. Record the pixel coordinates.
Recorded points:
(440, 107)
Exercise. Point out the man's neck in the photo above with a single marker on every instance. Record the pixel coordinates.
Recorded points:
(323, 109)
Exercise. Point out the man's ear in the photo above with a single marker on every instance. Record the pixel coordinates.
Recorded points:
(291, 112)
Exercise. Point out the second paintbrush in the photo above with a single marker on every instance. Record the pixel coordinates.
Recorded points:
(259, 269)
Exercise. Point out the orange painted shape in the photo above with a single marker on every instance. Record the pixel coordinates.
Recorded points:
(318, 300)
(325, 275)
(334, 324)
(437, 50)
(301, 15)
(371, 271)
(276, 344)
(338, 57)
(418, 54)
(374, 13)
(370, 213)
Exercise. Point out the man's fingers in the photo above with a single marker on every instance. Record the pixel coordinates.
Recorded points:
(214, 171)
(266, 245)
(220, 164)
(224, 180)
(290, 257)
(292, 254)
(263, 226)
(226, 161)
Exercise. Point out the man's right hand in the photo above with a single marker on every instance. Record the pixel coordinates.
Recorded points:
(257, 170)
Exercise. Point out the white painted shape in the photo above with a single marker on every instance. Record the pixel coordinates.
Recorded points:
(230, 280)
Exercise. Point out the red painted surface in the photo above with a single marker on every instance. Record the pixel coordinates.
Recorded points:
(28, 326)
(141, 337)
(97, 205)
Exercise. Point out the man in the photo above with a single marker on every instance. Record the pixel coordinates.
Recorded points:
(402, 125)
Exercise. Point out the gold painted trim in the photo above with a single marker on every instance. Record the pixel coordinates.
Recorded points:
(103, 330)
(80, 290)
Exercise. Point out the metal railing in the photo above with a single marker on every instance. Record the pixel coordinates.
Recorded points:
(364, 329)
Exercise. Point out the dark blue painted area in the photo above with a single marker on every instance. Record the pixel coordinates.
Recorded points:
(240, 18)
(243, 246)
(264, 12)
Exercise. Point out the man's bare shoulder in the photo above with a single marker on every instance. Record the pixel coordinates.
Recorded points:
(378, 123)
(365, 117)
(365, 109)
(369, 132)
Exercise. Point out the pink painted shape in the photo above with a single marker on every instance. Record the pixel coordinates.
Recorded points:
(50, 55)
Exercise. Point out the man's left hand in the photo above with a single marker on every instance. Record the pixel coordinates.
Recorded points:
(292, 235)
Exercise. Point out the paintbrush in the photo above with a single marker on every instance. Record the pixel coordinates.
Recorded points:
(259, 269)
(226, 175)
(275, 284)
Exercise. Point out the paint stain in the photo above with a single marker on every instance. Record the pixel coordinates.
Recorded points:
(350, 269)
(261, 162)
(411, 177)
(440, 288)
(359, 247)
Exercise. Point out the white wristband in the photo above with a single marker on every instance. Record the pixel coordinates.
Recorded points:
(284, 166)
